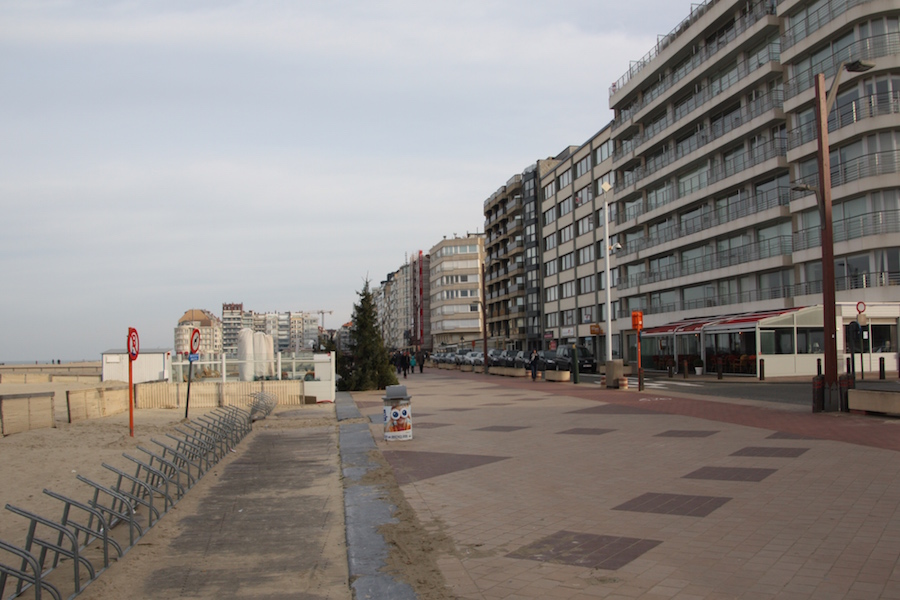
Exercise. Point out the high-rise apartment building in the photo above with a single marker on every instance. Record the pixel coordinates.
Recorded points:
(504, 260)
(456, 307)
(571, 215)
(712, 130)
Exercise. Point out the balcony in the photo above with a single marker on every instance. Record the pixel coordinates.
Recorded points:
(866, 49)
(759, 11)
(735, 210)
(777, 246)
(873, 223)
(875, 105)
(816, 20)
(867, 165)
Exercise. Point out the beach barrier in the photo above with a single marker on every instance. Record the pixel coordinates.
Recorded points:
(90, 534)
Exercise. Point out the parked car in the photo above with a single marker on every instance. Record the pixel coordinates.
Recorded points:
(586, 361)
(520, 360)
(546, 360)
(501, 359)
(460, 356)
(493, 356)
(474, 358)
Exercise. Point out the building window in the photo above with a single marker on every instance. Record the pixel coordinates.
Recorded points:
(550, 189)
(585, 224)
(549, 216)
(566, 233)
(587, 284)
(568, 317)
(567, 289)
(551, 320)
(565, 179)
(586, 314)
(550, 242)
(586, 255)
(551, 294)
(567, 261)
(582, 166)
(550, 268)
(565, 207)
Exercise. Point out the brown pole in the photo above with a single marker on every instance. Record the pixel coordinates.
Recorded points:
(484, 322)
(824, 197)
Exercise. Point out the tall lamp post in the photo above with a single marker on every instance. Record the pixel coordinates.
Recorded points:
(823, 105)
(484, 322)
(606, 187)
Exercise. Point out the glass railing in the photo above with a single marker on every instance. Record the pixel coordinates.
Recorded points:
(868, 48)
(875, 105)
(759, 11)
(777, 246)
(816, 20)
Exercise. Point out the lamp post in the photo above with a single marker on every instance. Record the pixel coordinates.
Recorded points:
(823, 104)
(606, 187)
(484, 323)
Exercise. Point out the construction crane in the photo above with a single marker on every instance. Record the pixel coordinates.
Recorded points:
(323, 313)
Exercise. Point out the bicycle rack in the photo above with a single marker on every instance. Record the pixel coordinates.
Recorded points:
(161, 477)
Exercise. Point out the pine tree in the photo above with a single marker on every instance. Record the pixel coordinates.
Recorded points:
(371, 368)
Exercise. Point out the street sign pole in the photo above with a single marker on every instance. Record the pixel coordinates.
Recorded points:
(195, 347)
(133, 345)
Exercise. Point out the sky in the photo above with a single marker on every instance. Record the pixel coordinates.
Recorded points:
(159, 156)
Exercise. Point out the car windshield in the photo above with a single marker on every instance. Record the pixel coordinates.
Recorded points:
(584, 352)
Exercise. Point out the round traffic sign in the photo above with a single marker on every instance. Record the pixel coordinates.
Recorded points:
(195, 341)
(134, 344)
(860, 307)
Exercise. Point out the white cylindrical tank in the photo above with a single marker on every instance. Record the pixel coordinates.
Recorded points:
(245, 354)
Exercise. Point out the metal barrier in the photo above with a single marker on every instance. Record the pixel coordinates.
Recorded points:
(85, 532)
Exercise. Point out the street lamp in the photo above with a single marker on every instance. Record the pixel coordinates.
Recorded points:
(823, 104)
(606, 187)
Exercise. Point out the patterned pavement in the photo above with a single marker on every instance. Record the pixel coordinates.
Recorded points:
(558, 491)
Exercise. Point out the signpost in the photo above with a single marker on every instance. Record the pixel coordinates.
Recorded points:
(134, 347)
(637, 323)
(195, 346)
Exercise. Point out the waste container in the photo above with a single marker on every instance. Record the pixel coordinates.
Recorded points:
(845, 383)
(818, 397)
(397, 414)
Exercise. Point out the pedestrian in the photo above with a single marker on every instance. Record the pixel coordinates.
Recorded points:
(420, 360)
(404, 361)
(412, 363)
(533, 363)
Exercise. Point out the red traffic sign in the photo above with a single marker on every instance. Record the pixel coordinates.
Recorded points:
(860, 307)
(195, 341)
(134, 344)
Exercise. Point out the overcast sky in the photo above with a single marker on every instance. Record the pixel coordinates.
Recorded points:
(158, 156)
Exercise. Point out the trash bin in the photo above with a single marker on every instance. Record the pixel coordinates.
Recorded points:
(846, 383)
(397, 414)
(818, 397)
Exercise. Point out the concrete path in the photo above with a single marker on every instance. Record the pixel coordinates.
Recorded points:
(574, 492)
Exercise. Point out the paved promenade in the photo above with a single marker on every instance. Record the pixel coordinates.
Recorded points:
(560, 491)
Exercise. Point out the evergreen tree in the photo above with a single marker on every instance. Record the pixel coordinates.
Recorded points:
(371, 368)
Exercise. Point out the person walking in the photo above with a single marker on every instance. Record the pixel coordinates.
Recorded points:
(420, 360)
(412, 363)
(533, 363)
(404, 361)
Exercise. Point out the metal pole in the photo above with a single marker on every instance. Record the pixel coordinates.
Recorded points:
(608, 280)
(824, 197)
(484, 323)
(187, 401)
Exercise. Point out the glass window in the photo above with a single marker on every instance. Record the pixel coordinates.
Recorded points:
(778, 340)
(810, 340)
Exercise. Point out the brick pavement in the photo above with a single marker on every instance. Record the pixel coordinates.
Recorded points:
(574, 492)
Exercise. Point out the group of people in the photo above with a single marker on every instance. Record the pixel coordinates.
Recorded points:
(406, 362)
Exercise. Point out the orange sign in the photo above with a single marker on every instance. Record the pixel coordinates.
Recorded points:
(637, 320)
(596, 329)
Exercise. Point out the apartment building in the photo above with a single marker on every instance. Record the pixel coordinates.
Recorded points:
(575, 187)
(211, 333)
(456, 299)
(504, 260)
(233, 320)
(712, 130)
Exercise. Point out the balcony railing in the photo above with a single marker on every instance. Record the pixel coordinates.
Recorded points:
(842, 283)
(777, 246)
(875, 105)
(873, 223)
(747, 205)
(772, 100)
(865, 49)
(816, 20)
(758, 12)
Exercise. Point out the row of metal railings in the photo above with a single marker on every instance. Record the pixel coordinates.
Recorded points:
(61, 556)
